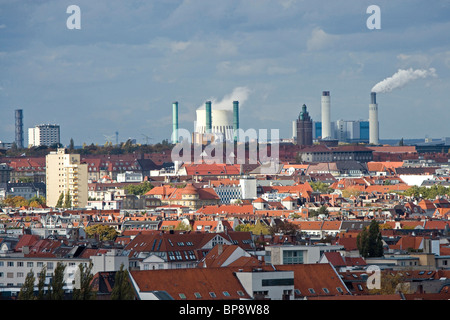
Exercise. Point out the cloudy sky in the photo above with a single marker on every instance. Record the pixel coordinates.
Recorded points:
(132, 58)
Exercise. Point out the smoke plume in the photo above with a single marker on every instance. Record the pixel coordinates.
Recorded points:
(401, 78)
(239, 94)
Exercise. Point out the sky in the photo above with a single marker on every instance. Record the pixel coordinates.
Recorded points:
(132, 58)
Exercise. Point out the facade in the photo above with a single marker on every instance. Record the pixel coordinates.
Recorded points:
(44, 135)
(65, 173)
(14, 270)
(304, 128)
(345, 130)
(5, 173)
(26, 190)
(281, 255)
(322, 153)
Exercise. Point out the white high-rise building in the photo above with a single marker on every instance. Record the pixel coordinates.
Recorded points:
(43, 135)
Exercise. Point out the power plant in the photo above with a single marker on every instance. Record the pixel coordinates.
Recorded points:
(211, 124)
(222, 124)
(373, 119)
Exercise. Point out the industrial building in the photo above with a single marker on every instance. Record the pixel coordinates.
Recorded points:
(44, 135)
(345, 130)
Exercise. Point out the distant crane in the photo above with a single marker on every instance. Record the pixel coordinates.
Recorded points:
(108, 138)
(146, 138)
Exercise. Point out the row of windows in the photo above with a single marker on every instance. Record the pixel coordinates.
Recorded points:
(211, 294)
(312, 291)
(29, 264)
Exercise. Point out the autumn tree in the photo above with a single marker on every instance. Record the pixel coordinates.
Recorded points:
(101, 232)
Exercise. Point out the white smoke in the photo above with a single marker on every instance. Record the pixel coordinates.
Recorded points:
(401, 78)
(239, 94)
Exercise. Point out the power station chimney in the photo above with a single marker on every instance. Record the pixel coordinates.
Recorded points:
(373, 119)
(19, 128)
(236, 120)
(175, 122)
(326, 123)
(208, 122)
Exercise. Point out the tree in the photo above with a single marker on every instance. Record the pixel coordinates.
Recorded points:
(139, 189)
(83, 283)
(27, 289)
(101, 232)
(67, 201)
(321, 187)
(122, 289)
(390, 284)
(183, 226)
(41, 283)
(287, 228)
(369, 241)
(56, 290)
(59, 203)
(71, 145)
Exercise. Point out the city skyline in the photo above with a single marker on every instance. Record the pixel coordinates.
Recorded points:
(130, 60)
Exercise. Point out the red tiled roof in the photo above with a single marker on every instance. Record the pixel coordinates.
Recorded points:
(191, 281)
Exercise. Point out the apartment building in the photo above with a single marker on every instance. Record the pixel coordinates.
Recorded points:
(43, 135)
(66, 174)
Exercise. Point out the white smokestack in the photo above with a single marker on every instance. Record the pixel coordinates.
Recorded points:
(373, 119)
(401, 78)
(326, 123)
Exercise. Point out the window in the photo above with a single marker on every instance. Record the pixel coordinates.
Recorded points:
(197, 295)
(226, 293)
(339, 289)
(212, 295)
(182, 296)
(311, 290)
(292, 256)
(240, 293)
(326, 290)
(20, 263)
(10, 263)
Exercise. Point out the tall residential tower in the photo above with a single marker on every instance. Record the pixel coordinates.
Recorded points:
(66, 174)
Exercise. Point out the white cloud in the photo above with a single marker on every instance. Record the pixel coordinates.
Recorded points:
(240, 94)
(320, 40)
